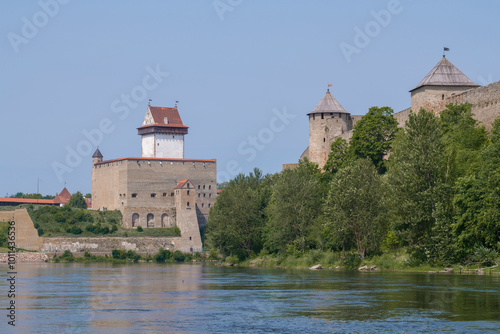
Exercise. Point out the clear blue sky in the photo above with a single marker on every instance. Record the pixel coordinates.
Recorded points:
(229, 67)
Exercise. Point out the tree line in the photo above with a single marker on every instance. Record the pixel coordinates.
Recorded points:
(432, 188)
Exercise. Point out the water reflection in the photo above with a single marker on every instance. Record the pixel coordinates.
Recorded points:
(152, 298)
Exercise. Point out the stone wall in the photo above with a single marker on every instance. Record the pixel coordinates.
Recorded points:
(484, 100)
(149, 245)
(125, 184)
(402, 117)
(25, 257)
(26, 233)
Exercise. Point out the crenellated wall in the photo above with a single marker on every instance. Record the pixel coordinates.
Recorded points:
(484, 100)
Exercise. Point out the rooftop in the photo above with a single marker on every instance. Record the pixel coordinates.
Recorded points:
(328, 104)
(445, 74)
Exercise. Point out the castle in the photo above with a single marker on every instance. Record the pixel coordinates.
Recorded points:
(161, 188)
(444, 84)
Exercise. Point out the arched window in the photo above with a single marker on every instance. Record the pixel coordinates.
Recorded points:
(151, 220)
(135, 219)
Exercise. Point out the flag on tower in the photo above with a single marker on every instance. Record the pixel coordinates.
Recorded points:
(446, 49)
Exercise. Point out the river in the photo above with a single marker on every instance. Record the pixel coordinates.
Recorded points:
(196, 298)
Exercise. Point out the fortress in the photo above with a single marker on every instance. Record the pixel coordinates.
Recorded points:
(161, 188)
(444, 84)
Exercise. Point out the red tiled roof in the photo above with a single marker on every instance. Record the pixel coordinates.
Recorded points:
(63, 197)
(26, 200)
(160, 113)
(181, 184)
(219, 191)
(156, 159)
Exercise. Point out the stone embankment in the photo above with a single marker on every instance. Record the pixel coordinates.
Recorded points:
(25, 257)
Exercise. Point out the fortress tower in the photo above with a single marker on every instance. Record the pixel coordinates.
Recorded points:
(327, 121)
(162, 133)
(440, 84)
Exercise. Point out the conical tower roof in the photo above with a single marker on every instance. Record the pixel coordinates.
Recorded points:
(97, 154)
(445, 74)
(328, 104)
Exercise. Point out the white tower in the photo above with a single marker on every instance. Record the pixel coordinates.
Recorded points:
(162, 133)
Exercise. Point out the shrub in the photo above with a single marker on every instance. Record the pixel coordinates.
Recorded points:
(67, 256)
(139, 229)
(212, 255)
(40, 232)
(352, 261)
(74, 230)
(232, 259)
(179, 256)
(162, 256)
(119, 254)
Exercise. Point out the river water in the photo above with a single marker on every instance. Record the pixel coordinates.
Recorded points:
(195, 298)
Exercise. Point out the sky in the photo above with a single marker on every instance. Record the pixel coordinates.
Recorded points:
(77, 74)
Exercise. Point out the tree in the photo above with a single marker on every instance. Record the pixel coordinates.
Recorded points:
(477, 199)
(373, 135)
(417, 175)
(88, 195)
(296, 201)
(338, 156)
(77, 201)
(355, 212)
(463, 139)
(236, 220)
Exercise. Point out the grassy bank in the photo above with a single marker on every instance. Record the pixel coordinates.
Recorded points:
(397, 260)
(53, 221)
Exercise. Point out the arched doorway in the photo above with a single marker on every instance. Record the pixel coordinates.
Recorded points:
(151, 220)
(135, 219)
(165, 220)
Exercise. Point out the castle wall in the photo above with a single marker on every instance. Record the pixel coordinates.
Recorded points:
(484, 100)
(433, 98)
(402, 117)
(108, 185)
(143, 187)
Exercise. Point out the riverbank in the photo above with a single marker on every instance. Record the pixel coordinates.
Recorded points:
(397, 261)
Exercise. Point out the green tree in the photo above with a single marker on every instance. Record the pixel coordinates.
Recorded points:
(236, 220)
(477, 200)
(338, 157)
(463, 139)
(416, 175)
(373, 135)
(295, 204)
(77, 201)
(355, 212)
(88, 195)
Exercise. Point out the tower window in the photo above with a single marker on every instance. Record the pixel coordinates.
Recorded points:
(153, 195)
(324, 140)
(202, 204)
(209, 187)
(198, 186)
(442, 97)
(203, 186)
(187, 203)
(164, 194)
(188, 192)
(322, 116)
(134, 195)
(204, 195)
(172, 194)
